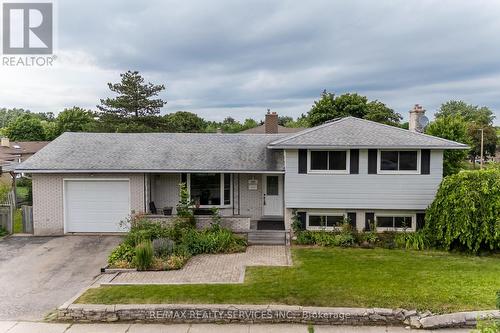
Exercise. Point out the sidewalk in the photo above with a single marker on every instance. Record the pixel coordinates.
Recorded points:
(40, 327)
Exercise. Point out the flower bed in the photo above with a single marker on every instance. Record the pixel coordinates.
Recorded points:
(152, 246)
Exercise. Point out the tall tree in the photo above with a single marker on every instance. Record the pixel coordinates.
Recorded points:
(471, 113)
(9, 115)
(452, 127)
(26, 128)
(477, 117)
(74, 119)
(330, 107)
(184, 122)
(135, 98)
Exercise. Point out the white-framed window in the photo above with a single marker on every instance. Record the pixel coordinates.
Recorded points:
(328, 161)
(398, 162)
(210, 189)
(395, 221)
(324, 221)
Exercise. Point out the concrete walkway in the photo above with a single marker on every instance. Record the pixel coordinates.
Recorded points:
(211, 268)
(38, 327)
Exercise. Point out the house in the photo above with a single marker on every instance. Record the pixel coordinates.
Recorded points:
(348, 167)
(14, 152)
(271, 126)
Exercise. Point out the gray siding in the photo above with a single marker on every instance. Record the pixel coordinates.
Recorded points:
(363, 190)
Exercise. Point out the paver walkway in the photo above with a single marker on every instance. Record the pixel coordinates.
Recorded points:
(211, 268)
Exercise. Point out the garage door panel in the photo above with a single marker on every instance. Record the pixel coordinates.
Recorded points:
(96, 206)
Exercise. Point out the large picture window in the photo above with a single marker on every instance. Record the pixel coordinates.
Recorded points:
(394, 222)
(323, 160)
(393, 160)
(210, 189)
(319, 221)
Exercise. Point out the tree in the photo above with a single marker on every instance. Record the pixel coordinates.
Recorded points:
(490, 140)
(74, 120)
(330, 107)
(134, 97)
(471, 113)
(9, 115)
(26, 128)
(452, 127)
(477, 118)
(184, 122)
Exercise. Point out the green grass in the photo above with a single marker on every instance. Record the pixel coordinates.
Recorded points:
(436, 281)
(18, 221)
(22, 192)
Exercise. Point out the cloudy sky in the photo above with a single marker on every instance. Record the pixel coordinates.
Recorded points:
(238, 58)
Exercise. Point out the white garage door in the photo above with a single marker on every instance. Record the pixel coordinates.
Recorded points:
(96, 205)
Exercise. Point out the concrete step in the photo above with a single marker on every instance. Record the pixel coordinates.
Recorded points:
(267, 237)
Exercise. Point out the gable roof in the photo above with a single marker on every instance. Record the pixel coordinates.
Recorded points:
(351, 132)
(156, 152)
(281, 129)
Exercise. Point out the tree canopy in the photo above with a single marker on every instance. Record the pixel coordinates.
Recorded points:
(329, 107)
(451, 127)
(27, 127)
(135, 98)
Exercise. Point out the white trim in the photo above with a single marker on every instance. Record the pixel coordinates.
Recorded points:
(320, 213)
(398, 172)
(330, 172)
(397, 214)
(90, 171)
(90, 179)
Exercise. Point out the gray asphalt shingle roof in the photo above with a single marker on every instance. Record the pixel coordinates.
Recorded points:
(351, 132)
(156, 151)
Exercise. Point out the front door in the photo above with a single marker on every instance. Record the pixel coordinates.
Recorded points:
(273, 195)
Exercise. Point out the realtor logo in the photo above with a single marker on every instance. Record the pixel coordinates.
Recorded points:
(27, 28)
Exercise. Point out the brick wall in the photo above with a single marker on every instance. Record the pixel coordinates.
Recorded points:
(48, 211)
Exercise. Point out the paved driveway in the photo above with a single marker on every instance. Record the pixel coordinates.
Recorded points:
(37, 274)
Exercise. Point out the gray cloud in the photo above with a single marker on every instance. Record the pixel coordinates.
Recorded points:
(221, 58)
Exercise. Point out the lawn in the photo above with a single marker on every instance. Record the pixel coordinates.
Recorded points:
(436, 281)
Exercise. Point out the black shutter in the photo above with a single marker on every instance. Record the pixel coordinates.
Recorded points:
(302, 219)
(354, 161)
(352, 219)
(369, 219)
(420, 220)
(372, 161)
(184, 178)
(425, 161)
(302, 160)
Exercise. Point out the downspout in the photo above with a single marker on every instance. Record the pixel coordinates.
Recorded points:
(239, 186)
(232, 178)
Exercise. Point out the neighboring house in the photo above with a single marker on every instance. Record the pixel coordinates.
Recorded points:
(271, 126)
(363, 170)
(15, 152)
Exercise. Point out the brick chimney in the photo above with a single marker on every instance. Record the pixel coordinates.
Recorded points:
(415, 115)
(271, 122)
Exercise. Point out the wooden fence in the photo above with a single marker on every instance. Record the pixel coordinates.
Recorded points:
(27, 214)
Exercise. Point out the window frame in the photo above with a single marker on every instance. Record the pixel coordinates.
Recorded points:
(221, 188)
(398, 172)
(315, 228)
(413, 217)
(327, 171)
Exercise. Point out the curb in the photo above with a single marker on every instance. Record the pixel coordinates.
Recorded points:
(276, 314)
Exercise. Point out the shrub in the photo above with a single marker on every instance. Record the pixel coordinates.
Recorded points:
(123, 252)
(3, 232)
(142, 229)
(297, 226)
(144, 255)
(185, 205)
(163, 247)
(305, 237)
(464, 214)
(217, 240)
(176, 262)
(386, 239)
(412, 240)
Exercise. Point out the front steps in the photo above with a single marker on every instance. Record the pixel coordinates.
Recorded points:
(267, 237)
